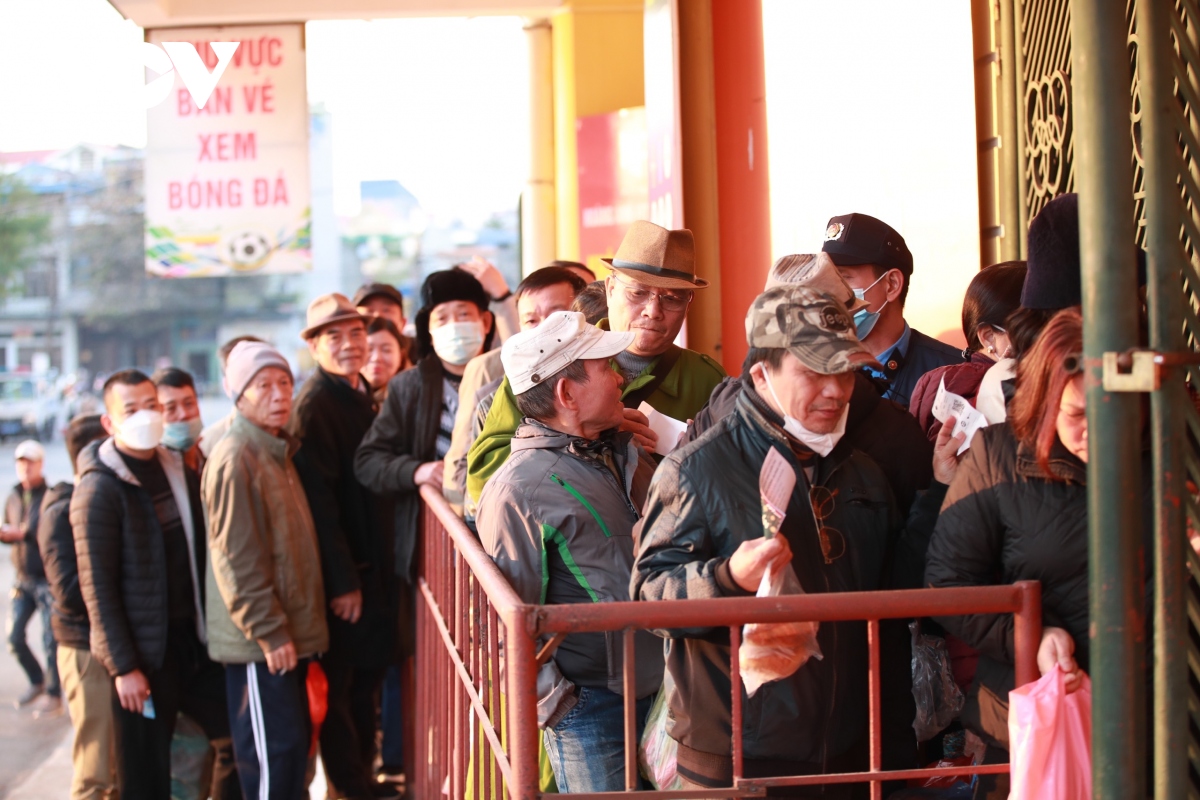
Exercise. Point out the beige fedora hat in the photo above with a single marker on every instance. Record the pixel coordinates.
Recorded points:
(817, 271)
(326, 310)
(657, 257)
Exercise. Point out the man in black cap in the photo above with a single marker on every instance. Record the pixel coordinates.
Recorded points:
(875, 261)
(385, 300)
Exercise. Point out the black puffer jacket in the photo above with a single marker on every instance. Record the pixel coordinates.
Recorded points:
(880, 428)
(354, 527)
(25, 555)
(122, 560)
(703, 503)
(403, 437)
(69, 619)
(1003, 521)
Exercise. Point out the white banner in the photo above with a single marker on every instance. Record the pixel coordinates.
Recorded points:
(227, 174)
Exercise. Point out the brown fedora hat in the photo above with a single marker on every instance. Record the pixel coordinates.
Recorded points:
(326, 310)
(657, 257)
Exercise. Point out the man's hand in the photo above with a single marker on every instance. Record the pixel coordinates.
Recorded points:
(347, 606)
(637, 424)
(945, 452)
(751, 559)
(431, 473)
(282, 659)
(11, 534)
(132, 690)
(488, 276)
(1058, 647)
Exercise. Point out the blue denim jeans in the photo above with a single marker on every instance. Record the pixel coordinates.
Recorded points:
(587, 747)
(27, 598)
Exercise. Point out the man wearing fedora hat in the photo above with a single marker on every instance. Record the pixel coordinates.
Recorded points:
(876, 262)
(651, 286)
(333, 411)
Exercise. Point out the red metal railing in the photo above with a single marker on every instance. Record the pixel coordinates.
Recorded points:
(473, 744)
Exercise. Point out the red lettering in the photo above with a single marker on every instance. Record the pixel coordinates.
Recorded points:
(268, 98)
(262, 190)
(205, 154)
(244, 147)
(250, 93)
(273, 58)
(234, 192)
(174, 195)
(185, 103)
(280, 198)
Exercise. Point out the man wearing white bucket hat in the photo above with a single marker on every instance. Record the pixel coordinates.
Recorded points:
(558, 521)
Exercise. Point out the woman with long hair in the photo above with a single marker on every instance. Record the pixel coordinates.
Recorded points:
(1017, 510)
(993, 294)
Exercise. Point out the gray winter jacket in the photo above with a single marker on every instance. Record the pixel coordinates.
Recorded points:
(559, 526)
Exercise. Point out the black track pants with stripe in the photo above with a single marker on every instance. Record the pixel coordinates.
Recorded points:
(271, 728)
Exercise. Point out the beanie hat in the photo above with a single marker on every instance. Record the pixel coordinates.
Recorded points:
(1053, 277)
(1053, 280)
(447, 286)
(246, 360)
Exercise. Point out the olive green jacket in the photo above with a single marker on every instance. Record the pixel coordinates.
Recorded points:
(264, 585)
(682, 393)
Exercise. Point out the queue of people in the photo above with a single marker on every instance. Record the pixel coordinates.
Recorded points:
(229, 572)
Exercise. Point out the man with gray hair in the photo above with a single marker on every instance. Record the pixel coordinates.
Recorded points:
(558, 521)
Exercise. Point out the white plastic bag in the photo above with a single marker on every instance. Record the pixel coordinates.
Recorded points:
(657, 750)
(773, 651)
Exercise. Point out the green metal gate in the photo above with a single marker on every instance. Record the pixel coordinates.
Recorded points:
(1103, 97)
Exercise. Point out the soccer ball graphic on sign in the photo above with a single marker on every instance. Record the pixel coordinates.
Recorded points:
(248, 250)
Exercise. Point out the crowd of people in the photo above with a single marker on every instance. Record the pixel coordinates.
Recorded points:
(228, 573)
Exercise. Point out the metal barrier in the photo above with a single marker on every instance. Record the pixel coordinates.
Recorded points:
(470, 745)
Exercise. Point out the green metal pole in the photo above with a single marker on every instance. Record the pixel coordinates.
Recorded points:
(1104, 175)
(1163, 163)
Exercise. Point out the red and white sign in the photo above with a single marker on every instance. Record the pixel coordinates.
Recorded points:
(227, 189)
(611, 152)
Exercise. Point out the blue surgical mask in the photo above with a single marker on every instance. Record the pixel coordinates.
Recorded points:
(864, 320)
(182, 435)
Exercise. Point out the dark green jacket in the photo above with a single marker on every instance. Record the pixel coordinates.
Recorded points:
(682, 393)
(703, 503)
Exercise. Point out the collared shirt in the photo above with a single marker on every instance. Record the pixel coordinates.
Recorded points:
(899, 348)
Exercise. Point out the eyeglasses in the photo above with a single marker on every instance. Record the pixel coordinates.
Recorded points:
(833, 544)
(639, 297)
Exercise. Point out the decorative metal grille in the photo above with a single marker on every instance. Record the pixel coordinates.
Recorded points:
(1044, 39)
(1044, 34)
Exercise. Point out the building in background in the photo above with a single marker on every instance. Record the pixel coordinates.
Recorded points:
(85, 307)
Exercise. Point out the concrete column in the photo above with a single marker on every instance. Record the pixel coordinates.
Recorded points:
(537, 198)
(69, 339)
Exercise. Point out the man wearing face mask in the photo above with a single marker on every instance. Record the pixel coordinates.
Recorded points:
(140, 538)
(182, 426)
(877, 264)
(406, 445)
(333, 410)
(700, 537)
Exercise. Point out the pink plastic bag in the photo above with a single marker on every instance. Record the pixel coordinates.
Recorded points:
(1050, 740)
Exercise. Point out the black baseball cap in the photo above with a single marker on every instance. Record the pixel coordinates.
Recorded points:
(386, 290)
(855, 239)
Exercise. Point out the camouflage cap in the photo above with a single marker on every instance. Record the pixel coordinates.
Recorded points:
(811, 325)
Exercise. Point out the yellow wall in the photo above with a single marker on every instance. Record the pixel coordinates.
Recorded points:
(597, 69)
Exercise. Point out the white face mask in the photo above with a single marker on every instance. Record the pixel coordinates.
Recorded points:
(457, 342)
(142, 430)
(820, 443)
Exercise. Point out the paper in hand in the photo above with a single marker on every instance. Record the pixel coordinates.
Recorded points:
(968, 420)
(668, 429)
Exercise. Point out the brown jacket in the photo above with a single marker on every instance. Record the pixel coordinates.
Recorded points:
(264, 573)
